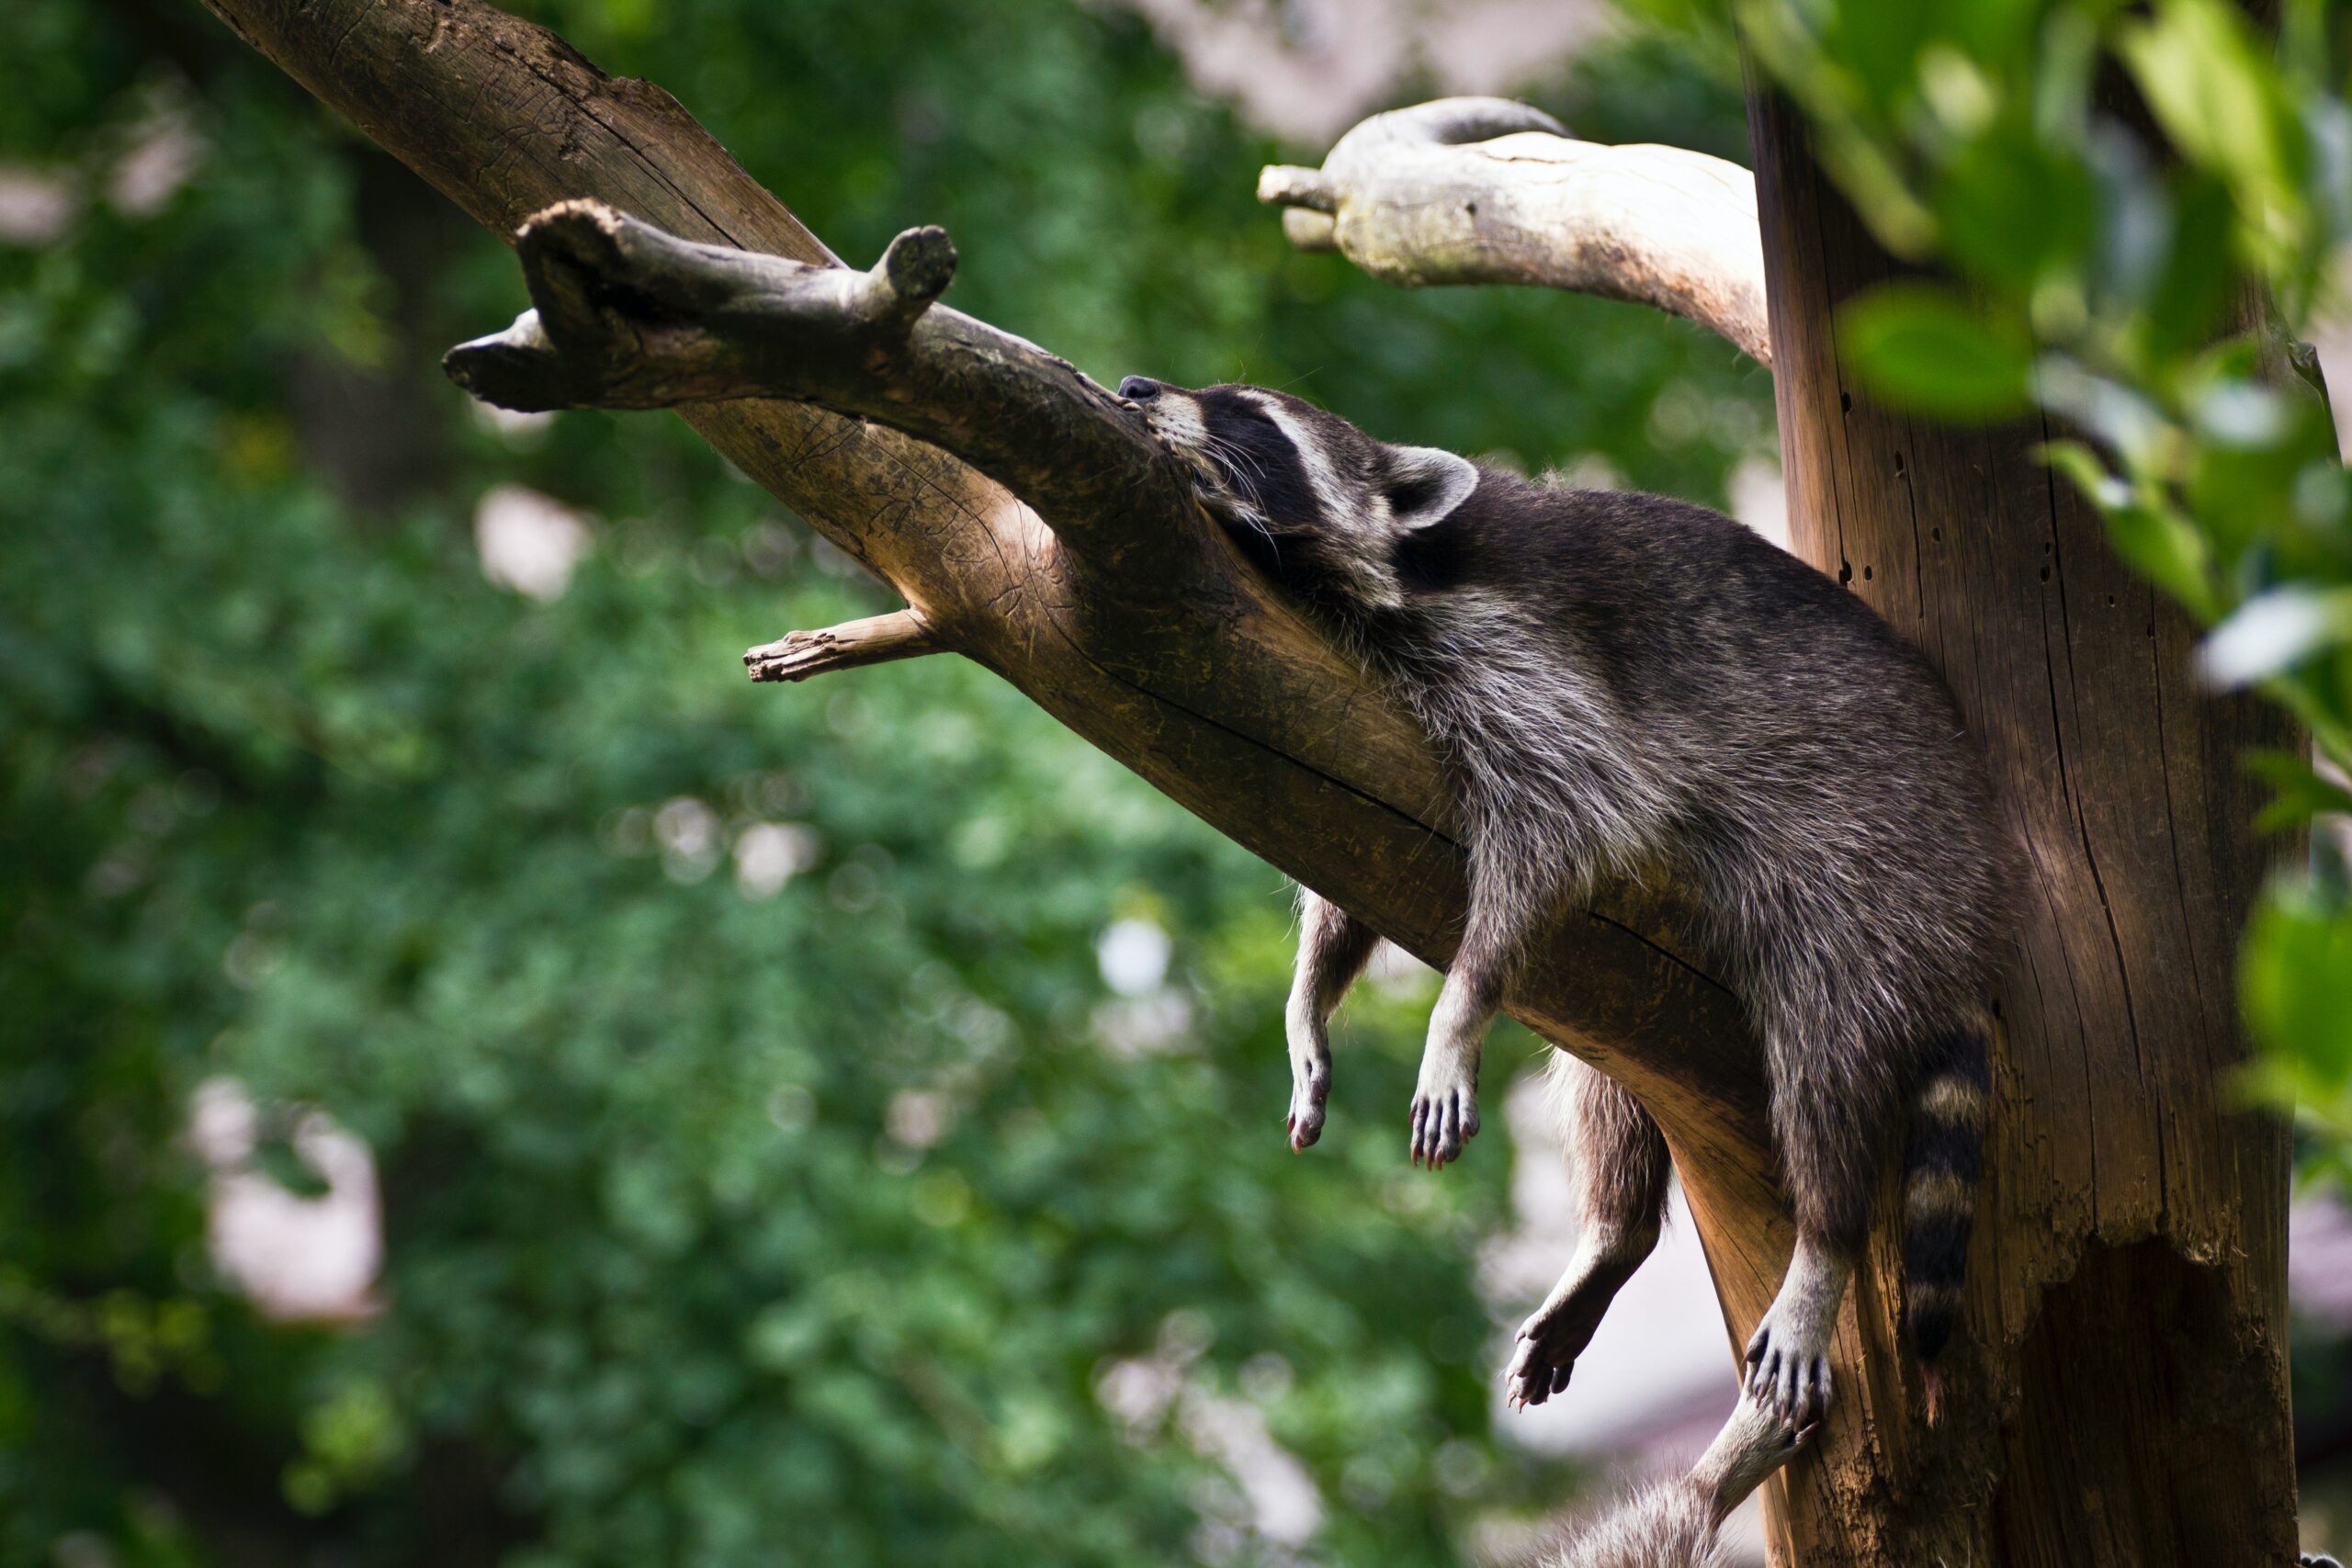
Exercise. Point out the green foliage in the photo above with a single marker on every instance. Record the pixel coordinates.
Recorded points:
(1922, 346)
(724, 1225)
(2297, 978)
(2096, 255)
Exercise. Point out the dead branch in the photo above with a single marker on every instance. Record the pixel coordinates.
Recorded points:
(1485, 191)
(876, 639)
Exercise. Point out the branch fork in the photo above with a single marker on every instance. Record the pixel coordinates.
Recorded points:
(626, 316)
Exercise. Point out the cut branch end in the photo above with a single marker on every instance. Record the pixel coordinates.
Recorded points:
(917, 269)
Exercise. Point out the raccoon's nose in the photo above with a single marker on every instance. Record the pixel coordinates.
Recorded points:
(1136, 389)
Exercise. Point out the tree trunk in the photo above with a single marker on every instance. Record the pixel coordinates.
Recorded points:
(2119, 1400)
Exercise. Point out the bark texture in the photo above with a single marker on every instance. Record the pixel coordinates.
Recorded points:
(2119, 1399)
(1485, 191)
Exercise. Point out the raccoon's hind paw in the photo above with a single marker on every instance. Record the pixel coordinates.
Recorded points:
(1544, 1355)
(1445, 1114)
(1757, 1439)
(1310, 1089)
(1556, 1334)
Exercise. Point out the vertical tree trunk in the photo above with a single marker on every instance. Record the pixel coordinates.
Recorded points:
(2119, 1397)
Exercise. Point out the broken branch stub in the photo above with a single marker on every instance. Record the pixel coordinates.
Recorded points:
(1485, 190)
(876, 639)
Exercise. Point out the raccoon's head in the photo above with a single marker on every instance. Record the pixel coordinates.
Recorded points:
(1326, 507)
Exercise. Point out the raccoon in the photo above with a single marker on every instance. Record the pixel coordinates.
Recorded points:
(1618, 681)
(1676, 1524)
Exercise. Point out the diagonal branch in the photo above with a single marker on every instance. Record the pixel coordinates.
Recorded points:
(1129, 620)
(1485, 191)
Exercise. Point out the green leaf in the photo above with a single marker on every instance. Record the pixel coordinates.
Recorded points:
(2186, 303)
(2011, 207)
(2209, 84)
(2302, 792)
(1923, 347)
(2153, 539)
(2275, 631)
(2295, 977)
(1882, 43)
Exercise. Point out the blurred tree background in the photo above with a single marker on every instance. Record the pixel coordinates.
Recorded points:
(835, 1123)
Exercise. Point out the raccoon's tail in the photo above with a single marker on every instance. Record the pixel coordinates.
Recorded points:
(1941, 1164)
(1676, 1524)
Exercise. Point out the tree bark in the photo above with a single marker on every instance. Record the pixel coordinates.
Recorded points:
(2121, 1396)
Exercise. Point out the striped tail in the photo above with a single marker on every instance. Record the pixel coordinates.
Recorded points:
(1940, 1167)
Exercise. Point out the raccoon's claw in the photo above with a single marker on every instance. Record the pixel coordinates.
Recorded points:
(1787, 1376)
(1310, 1091)
(1443, 1120)
(1557, 1333)
(1537, 1370)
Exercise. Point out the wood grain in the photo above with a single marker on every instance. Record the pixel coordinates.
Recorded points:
(2120, 1399)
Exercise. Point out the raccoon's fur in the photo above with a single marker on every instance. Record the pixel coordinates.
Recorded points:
(1619, 682)
(1676, 1523)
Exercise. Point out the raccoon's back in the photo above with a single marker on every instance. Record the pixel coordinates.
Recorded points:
(1786, 736)
(1678, 606)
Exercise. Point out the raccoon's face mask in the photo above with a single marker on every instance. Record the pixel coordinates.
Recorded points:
(1302, 489)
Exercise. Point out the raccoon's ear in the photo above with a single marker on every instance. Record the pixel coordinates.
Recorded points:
(1425, 483)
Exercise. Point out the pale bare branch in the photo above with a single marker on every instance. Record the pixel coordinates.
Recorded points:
(1484, 190)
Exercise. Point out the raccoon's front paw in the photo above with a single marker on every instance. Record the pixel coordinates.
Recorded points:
(1310, 1086)
(1445, 1111)
(1788, 1362)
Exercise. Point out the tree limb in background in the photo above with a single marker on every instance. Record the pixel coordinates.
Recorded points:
(1485, 191)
